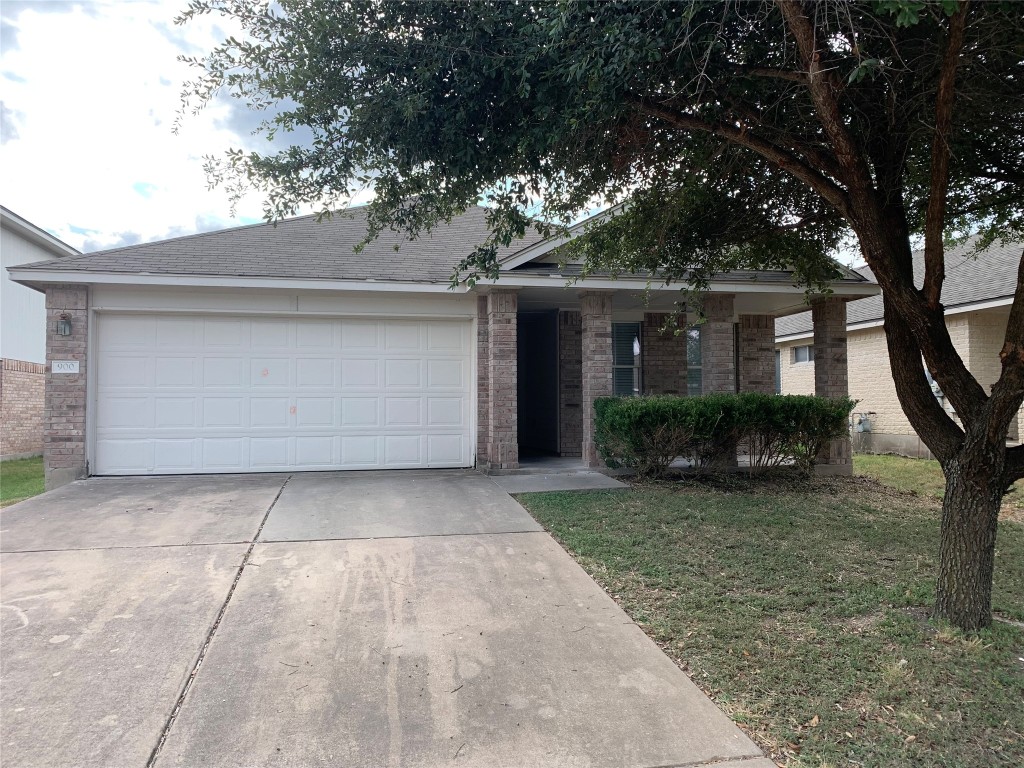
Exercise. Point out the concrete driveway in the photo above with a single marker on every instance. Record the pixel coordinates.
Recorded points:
(341, 619)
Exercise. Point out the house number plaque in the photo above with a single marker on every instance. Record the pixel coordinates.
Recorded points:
(65, 366)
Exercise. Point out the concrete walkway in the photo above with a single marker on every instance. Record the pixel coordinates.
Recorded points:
(355, 619)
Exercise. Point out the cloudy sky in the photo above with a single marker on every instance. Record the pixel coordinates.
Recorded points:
(89, 92)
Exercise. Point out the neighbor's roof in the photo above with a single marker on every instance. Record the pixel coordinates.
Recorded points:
(300, 248)
(989, 276)
(10, 220)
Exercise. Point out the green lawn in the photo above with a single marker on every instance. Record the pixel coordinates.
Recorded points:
(921, 476)
(803, 611)
(20, 479)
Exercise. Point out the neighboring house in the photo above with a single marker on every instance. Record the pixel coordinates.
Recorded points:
(277, 348)
(977, 294)
(23, 337)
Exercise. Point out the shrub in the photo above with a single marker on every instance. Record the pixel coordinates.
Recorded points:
(649, 433)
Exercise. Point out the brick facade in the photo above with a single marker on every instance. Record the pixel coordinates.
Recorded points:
(483, 387)
(570, 383)
(22, 398)
(977, 337)
(502, 365)
(596, 317)
(664, 354)
(831, 374)
(757, 354)
(64, 455)
(718, 344)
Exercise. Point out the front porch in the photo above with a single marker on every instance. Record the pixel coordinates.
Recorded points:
(545, 354)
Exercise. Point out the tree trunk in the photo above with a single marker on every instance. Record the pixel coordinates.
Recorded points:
(970, 512)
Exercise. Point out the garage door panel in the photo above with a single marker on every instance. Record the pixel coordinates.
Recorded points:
(223, 412)
(179, 371)
(445, 412)
(223, 334)
(402, 336)
(403, 412)
(315, 335)
(402, 374)
(269, 372)
(446, 337)
(315, 451)
(174, 455)
(175, 412)
(445, 374)
(360, 412)
(403, 449)
(269, 412)
(224, 454)
(315, 372)
(315, 412)
(357, 335)
(360, 451)
(210, 394)
(128, 455)
(360, 373)
(270, 452)
(127, 412)
(125, 371)
(224, 372)
(270, 335)
(140, 333)
(444, 449)
(177, 332)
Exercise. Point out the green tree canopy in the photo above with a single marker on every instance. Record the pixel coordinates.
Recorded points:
(743, 134)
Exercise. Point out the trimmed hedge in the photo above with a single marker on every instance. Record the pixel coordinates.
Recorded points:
(649, 433)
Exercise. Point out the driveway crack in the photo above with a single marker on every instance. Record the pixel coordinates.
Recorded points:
(213, 631)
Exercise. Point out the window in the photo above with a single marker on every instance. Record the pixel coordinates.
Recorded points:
(803, 354)
(626, 358)
(693, 366)
(778, 372)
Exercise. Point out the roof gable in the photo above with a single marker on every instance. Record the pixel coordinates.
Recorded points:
(969, 280)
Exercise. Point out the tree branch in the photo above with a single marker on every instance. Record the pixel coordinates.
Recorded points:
(781, 157)
(1008, 393)
(770, 72)
(926, 415)
(819, 156)
(824, 87)
(935, 216)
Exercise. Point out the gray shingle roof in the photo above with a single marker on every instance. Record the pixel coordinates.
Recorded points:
(990, 275)
(301, 248)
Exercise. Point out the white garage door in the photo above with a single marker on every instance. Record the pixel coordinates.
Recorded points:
(181, 394)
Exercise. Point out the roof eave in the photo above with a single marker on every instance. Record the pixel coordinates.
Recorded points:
(10, 220)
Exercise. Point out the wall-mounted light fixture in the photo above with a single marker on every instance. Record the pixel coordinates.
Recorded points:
(64, 324)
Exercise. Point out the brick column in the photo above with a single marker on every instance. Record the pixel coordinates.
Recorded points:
(718, 344)
(757, 354)
(570, 383)
(502, 402)
(596, 316)
(64, 457)
(830, 375)
(483, 387)
(664, 354)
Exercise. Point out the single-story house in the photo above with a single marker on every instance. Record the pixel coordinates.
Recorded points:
(278, 348)
(23, 337)
(977, 294)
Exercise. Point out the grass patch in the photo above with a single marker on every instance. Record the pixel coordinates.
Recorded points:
(803, 611)
(920, 476)
(20, 479)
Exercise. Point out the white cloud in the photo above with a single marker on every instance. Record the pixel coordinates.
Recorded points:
(95, 87)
